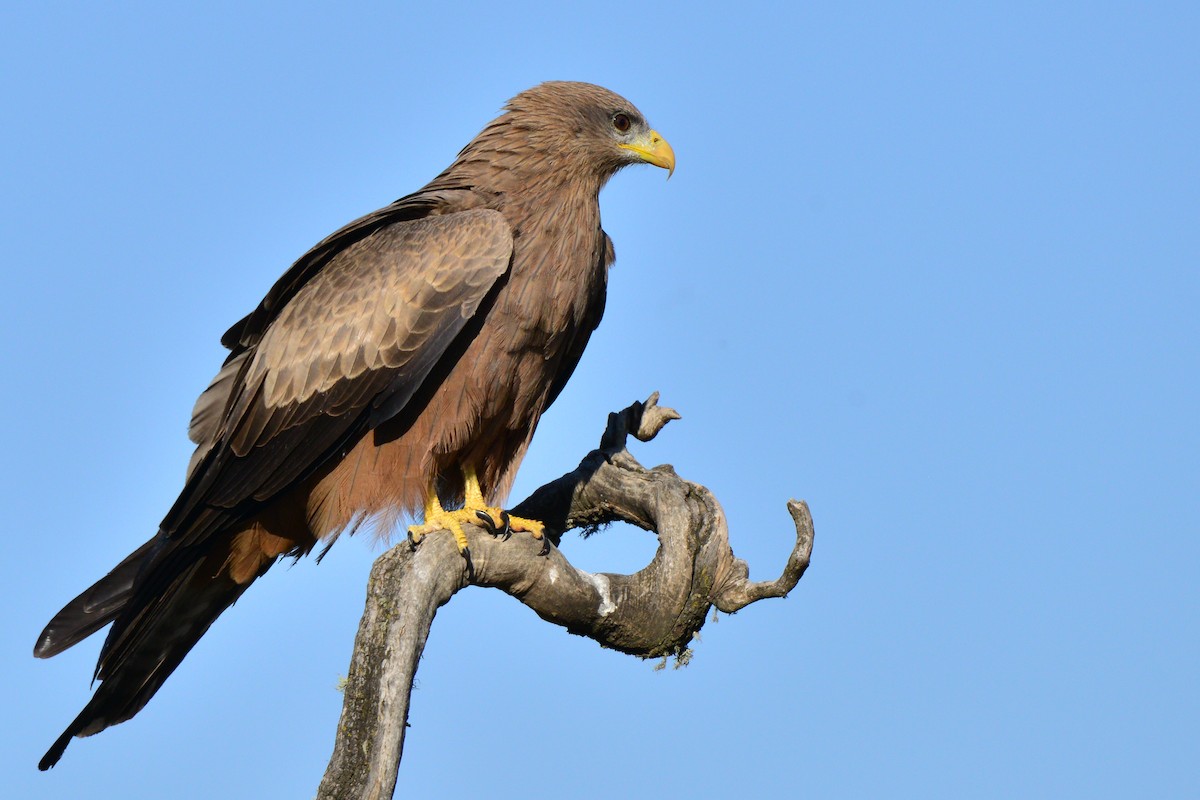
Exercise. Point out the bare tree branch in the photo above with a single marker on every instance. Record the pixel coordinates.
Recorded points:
(654, 612)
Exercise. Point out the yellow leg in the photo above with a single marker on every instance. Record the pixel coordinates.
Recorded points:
(476, 511)
(473, 493)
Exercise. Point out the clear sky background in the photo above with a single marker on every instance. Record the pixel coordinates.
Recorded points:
(934, 269)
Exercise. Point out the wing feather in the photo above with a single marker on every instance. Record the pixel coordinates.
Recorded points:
(247, 331)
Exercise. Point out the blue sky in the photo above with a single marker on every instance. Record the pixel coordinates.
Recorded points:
(933, 269)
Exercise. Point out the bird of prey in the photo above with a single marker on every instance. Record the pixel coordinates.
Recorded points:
(400, 366)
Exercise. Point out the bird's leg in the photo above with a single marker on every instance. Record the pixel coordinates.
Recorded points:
(476, 511)
(473, 501)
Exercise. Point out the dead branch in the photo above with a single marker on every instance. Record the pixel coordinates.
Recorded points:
(652, 613)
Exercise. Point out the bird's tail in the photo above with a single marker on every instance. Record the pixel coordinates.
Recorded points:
(155, 628)
(94, 608)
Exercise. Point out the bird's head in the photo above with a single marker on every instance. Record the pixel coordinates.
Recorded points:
(574, 129)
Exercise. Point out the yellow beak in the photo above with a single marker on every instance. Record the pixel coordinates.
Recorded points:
(653, 149)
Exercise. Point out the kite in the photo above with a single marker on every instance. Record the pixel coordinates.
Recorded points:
(400, 366)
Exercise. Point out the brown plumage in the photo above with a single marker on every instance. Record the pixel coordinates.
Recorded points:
(421, 340)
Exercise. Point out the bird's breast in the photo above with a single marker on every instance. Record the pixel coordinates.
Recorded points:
(558, 275)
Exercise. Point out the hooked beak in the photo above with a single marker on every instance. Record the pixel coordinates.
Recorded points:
(653, 149)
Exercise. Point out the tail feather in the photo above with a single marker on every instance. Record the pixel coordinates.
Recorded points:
(94, 608)
(155, 634)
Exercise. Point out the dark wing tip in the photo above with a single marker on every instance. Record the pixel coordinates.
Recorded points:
(233, 337)
(69, 627)
(94, 607)
(79, 620)
(45, 646)
(56, 750)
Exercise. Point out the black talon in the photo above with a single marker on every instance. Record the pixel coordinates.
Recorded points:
(489, 524)
(545, 551)
(506, 531)
(412, 542)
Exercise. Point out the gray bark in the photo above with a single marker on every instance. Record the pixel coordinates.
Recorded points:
(652, 613)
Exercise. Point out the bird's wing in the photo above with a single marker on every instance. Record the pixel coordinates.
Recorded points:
(247, 331)
(356, 339)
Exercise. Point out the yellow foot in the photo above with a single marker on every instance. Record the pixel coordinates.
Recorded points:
(442, 520)
(499, 522)
(495, 521)
(475, 511)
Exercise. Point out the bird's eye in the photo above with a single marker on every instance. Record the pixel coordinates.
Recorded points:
(622, 123)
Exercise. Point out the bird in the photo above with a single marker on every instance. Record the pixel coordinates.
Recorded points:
(398, 368)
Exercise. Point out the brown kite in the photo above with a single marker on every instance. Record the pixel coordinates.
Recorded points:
(401, 364)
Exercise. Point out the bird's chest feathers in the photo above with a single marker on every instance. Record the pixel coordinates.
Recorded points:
(558, 277)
